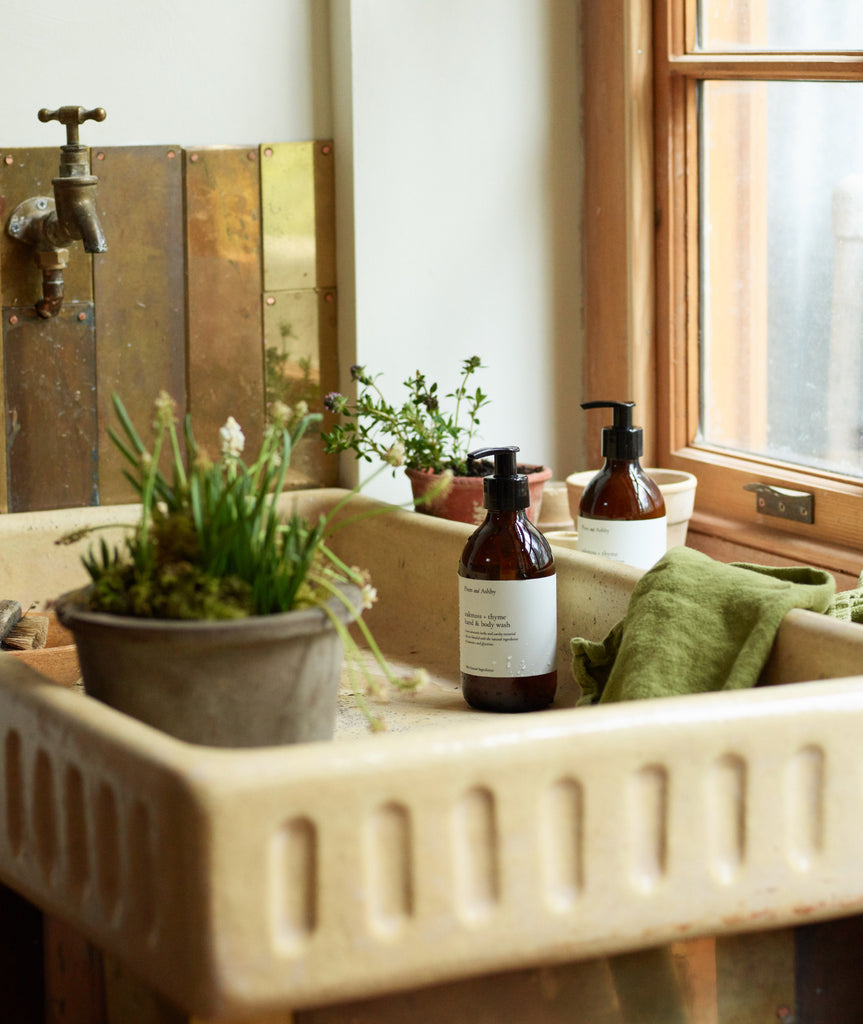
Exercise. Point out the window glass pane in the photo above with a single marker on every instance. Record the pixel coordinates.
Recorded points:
(781, 273)
(780, 24)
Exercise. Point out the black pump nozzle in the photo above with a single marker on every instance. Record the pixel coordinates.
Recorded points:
(621, 440)
(506, 489)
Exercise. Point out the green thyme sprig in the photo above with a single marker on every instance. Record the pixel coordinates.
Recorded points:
(419, 432)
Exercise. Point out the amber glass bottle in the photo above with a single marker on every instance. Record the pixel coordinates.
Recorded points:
(621, 514)
(507, 600)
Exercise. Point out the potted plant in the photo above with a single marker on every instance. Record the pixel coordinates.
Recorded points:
(433, 442)
(219, 620)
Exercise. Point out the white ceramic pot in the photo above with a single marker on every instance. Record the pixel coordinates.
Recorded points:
(678, 493)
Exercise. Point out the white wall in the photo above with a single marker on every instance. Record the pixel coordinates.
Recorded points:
(458, 174)
(184, 72)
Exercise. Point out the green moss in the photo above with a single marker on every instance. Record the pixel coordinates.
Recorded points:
(176, 587)
(175, 590)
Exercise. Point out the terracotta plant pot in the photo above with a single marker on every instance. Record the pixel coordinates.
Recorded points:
(254, 682)
(463, 502)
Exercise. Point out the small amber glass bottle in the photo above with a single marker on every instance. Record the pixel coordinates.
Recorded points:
(621, 514)
(507, 600)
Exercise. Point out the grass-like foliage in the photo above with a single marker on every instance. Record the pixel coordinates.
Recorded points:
(210, 542)
(213, 543)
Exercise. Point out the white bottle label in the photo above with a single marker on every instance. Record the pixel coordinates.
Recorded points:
(638, 542)
(508, 628)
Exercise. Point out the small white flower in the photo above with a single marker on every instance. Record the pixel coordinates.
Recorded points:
(368, 596)
(280, 414)
(233, 439)
(420, 678)
(395, 455)
(165, 406)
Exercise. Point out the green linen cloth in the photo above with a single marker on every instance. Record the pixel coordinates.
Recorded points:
(848, 604)
(693, 625)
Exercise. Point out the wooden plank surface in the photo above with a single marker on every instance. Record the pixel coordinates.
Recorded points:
(139, 288)
(618, 216)
(829, 983)
(74, 986)
(223, 238)
(21, 971)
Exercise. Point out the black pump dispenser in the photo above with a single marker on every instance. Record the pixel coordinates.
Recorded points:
(621, 440)
(506, 490)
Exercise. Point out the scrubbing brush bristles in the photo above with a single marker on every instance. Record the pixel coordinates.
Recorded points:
(29, 633)
(10, 616)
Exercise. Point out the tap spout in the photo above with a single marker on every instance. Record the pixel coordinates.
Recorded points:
(76, 216)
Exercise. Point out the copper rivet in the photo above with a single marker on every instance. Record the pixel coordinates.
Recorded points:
(100, 156)
(252, 154)
(171, 154)
(326, 150)
(328, 297)
(13, 320)
(193, 157)
(10, 159)
(82, 317)
(268, 151)
(271, 300)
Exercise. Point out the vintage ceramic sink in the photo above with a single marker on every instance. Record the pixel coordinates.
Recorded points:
(453, 845)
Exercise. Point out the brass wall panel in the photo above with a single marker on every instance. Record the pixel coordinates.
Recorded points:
(302, 364)
(298, 213)
(291, 332)
(179, 304)
(4, 468)
(29, 174)
(50, 405)
(223, 239)
(139, 289)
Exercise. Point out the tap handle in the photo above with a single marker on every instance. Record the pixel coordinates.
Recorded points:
(72, 117)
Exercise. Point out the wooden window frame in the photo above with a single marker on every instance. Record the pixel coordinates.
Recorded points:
(641, 268)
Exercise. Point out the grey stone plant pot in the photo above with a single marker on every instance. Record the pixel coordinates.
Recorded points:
(261, 681)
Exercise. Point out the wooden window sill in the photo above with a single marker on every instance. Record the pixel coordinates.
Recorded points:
(730, 540)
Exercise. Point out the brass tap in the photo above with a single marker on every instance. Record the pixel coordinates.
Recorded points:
(51, 223)
(75, 186)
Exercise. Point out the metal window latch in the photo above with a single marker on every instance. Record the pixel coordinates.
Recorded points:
(784, 503)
